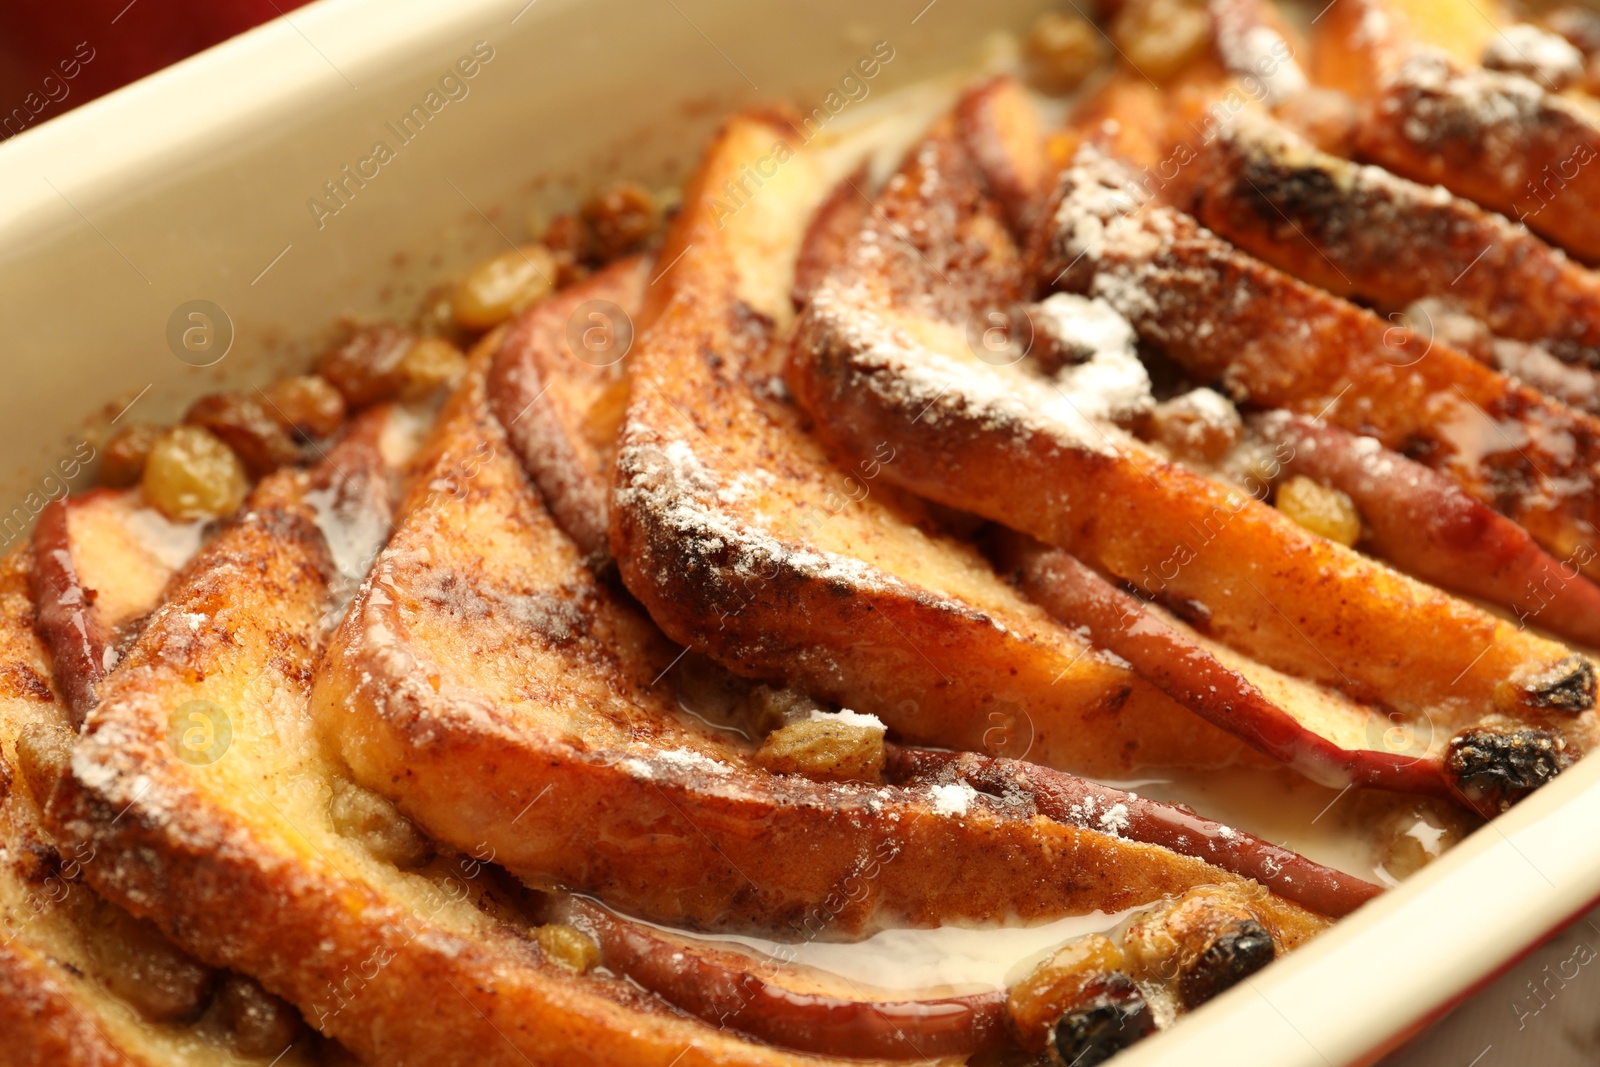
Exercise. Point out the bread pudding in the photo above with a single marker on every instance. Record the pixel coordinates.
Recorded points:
(882, 602)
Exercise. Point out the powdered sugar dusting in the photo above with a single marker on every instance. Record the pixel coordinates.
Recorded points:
(687, 759)
(953, 800)
(846, 717)
(1114, 820)
(1099, 199)
(637, 767)
(670, 486)
(934, 385)
(1110, 384)
(1261, 52)
(1537, 54)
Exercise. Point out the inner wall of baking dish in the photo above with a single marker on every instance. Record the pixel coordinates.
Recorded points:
(99, 246)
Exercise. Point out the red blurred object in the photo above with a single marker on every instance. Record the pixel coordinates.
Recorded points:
(55, 55)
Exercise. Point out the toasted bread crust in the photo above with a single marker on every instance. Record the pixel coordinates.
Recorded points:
(56, 1006)
(46, 1011)
(559, 400)
(81, 642)
(1428, 526)
(237, 858)
(1359, 231)
(503, 697)
(1276, 342)
(1498, 139)
(879, 355)
(742, 540)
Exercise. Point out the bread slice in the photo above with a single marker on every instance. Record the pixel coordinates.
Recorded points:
(1365, 233)
(884, 352)
(744, 540)
(1275, 342)
(82, 983)
(239, 858)
(558, 387)
(1500, 139)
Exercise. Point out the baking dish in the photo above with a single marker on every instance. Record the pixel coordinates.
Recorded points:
(203, 184)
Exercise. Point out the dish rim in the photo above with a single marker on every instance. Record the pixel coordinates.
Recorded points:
(1395, 965)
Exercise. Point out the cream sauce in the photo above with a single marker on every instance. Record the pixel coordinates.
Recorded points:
(1277, 806)
(1320, 823)
(942, 961)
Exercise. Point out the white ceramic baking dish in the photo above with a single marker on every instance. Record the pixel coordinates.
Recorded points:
(194, 185)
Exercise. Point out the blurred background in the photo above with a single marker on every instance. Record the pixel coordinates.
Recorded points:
(58, 54)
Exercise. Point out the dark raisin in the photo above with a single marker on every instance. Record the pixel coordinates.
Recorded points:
(137, 963)
(1062, 51)
(1235, 954)
(244, 425)
(258, 1023)
(1101, 1026)
(122, 462)
(621, 219)
(1568, 686)
(1495, 769)
(366, 368)
(567, 238)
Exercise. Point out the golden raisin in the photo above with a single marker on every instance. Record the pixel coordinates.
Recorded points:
(432, 364)
(122, 461)
(621, 218)
(768, 709)
(43, 751)
(1062, 50)
(501, 287)
(1414, 838)
(568, 946)
(1161, 37)
(1324, 511)
(258, 1023)
(244, 425)
(378, 825)
(1056, 985)
(831, 748)
(191, 474)
(1198, 425)
(437, 317)
(366, 368)
(306, 404)
(1200, 943)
